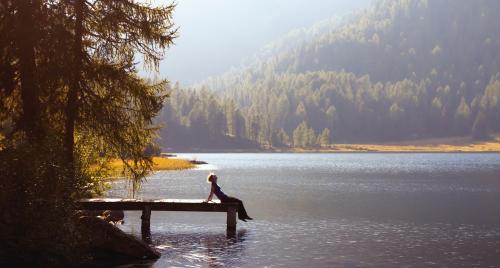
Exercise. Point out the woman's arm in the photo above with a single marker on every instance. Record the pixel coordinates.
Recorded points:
(209, 198)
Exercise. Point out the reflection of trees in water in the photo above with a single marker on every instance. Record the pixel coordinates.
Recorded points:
(213, 250)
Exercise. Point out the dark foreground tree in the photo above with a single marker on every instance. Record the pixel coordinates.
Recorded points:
(71, 99)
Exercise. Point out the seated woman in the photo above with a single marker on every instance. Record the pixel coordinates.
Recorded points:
(215, 189)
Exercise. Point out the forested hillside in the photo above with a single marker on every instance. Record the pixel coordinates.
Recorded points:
(404, 69)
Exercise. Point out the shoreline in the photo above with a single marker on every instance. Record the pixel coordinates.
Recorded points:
(436, 145)
(330, 151)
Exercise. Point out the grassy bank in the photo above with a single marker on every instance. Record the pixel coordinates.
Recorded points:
(456, 144)
(159, 163)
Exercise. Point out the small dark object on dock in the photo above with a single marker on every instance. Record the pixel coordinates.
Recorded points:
(197, 162)
(112, 216)
(115, 216)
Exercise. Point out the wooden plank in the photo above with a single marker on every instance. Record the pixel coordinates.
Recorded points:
(167, 200)
(155, 204)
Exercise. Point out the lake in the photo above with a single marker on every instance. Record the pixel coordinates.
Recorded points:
(331, 210)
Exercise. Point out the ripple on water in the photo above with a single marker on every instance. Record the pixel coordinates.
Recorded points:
(344, 243)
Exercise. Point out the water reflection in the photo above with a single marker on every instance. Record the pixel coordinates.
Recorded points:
(200, 249)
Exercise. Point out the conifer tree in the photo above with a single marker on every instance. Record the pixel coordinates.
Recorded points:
(69, 92)
(324, 137)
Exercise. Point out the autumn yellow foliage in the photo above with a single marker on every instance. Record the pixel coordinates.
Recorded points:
(115, 166)
(161, 163)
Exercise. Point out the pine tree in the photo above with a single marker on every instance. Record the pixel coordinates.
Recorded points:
(112, 102)
(462, 117)
(480, 127)
(302, 135)
(324, 137)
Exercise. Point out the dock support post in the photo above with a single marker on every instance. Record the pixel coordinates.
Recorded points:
(231, 219)
(146, 224)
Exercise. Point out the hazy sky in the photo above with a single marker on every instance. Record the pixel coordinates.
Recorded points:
(215, 35)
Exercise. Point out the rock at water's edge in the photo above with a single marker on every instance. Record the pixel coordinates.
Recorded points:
(107, 237)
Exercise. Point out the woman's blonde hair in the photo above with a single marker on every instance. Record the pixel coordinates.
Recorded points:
(210, 177)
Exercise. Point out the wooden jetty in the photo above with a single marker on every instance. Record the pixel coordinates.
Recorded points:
(146, 206)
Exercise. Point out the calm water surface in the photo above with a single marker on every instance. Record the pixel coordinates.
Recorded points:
(332, 210)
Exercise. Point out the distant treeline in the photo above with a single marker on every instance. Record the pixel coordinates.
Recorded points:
(400, 70)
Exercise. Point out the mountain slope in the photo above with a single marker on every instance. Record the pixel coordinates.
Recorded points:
(404, 69)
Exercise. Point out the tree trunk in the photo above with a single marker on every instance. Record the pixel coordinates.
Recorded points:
(75, 83)
(30, 117)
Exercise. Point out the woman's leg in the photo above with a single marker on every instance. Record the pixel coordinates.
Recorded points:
(242, 213)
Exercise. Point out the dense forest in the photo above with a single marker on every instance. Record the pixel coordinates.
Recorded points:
(403, 69)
